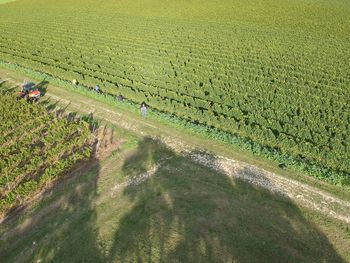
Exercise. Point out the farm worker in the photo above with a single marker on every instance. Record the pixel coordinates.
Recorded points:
(24, 85)
(143, 109)
(120, 97)
(97, 88)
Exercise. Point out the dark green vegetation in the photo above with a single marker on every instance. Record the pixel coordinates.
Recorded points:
(36, 147)
(183, 212)
(276, 72)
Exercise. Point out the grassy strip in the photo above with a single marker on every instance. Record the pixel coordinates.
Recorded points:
(313, 169)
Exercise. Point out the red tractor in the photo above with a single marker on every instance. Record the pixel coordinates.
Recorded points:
(29, 92)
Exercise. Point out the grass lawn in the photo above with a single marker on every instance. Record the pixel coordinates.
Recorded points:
(184, 212)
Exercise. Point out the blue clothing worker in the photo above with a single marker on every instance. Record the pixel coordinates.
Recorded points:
(143, 109)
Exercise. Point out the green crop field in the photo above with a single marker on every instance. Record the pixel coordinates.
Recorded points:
(36, 147)
(275, 71)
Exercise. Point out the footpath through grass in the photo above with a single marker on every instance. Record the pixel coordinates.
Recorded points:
(146, 203)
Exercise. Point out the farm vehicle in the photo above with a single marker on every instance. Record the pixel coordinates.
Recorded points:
(29, 92)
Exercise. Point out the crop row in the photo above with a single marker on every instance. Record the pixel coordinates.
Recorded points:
(32, 155)
(289, 96)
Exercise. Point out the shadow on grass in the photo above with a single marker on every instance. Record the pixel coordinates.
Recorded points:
(49, 104)
(186, 212)
(42, 87)
(56, 107)
(6, 87)
(181, 212)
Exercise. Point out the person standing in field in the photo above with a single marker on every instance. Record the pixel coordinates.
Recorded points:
(143, 109)
(97, 89)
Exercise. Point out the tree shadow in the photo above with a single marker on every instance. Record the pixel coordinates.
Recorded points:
(186, 212)
(182, 212)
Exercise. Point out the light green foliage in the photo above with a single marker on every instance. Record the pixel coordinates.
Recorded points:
(36, 147)
(5, 1)
(276, 72)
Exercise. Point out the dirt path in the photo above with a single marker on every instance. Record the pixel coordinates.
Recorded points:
(298, 192)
